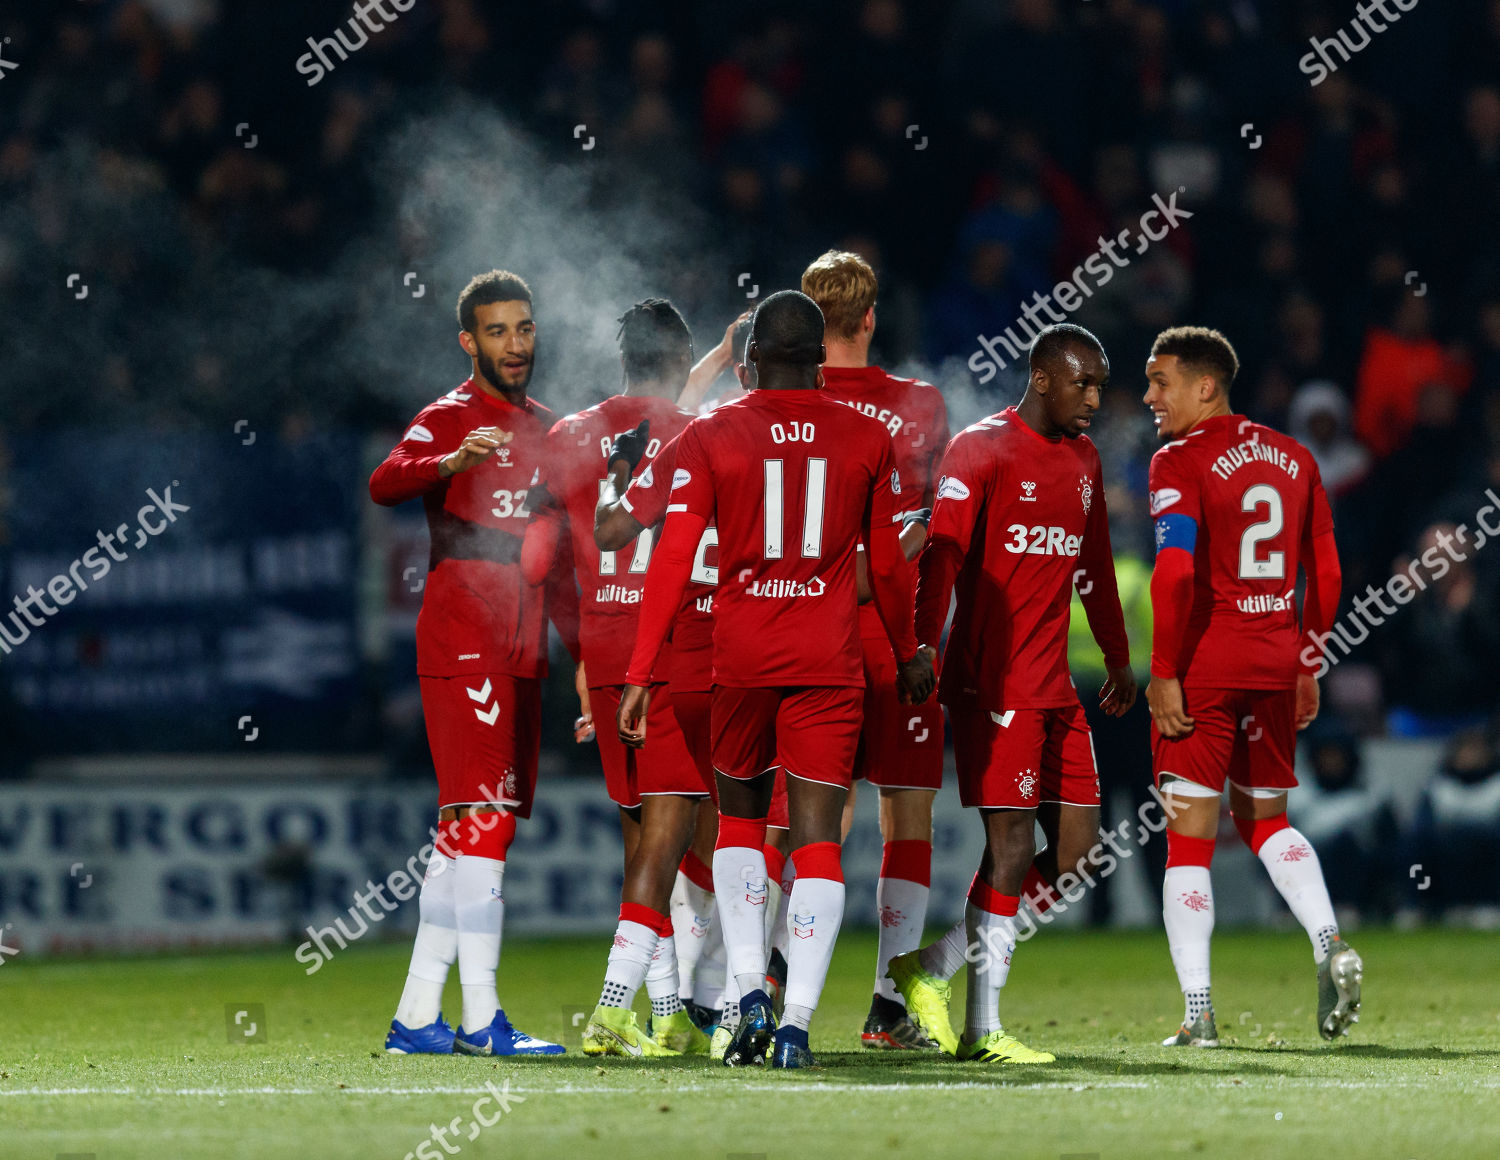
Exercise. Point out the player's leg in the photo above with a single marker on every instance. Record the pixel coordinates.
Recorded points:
(1258, 803)
(1190, 774)
(418, 1026)
(901, 909)
(990, 924)
(817, 734)
(694, 913)
(744, 746)
(670, 786)
(901, 755)
(1068, 813)
(484, 758)
(779, 841)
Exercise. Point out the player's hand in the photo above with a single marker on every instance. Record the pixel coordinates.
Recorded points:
(478, 445)
(1118, 692)
(583, 728)
(915, 679)
(1308, 700)
(630, 445)
(631, 721)
(1167, 709)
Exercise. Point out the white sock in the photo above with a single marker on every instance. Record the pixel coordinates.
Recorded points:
(780, 926)
(774, 898)
(1187, 911)
(945, 958)
(629, 961)
(994, 936)
(694, 914)
(435, 949)
(817, 910)
(1298, 875)
(795, 1015)
(708, 978)
(661, 979)
(729, 1012)
(480, 910)
(901, 909)
(741, 890)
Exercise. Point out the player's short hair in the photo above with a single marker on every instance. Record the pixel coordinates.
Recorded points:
(1202, 351)
(1053, 340)
(654, 340)
(493, 286)
(843, 285)
(788, 329)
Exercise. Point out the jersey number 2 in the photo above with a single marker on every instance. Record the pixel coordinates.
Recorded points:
(812, 514)
(1273, 567)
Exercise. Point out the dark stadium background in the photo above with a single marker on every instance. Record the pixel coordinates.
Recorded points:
(265, 278)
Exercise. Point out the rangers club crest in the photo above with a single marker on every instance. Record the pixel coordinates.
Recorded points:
(1086, 492)
(1026, 783)
(1195, 900)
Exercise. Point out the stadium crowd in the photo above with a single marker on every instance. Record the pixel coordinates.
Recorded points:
(1346, 235)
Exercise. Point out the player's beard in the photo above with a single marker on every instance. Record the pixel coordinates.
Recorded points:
(492, 371)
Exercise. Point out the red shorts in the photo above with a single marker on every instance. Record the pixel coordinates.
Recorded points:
(1021, 758)
(812, 730)
(1248, 736)
(485, 732)
(694, 716)
(901, 746)
(663, 765)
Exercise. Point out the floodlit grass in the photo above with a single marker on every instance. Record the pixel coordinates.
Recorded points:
(134, 1059)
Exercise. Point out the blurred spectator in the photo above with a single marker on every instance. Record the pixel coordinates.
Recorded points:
(1400, 359)
(1352, 826)
(1440, 668)
(1454, 844)
(1319, 419)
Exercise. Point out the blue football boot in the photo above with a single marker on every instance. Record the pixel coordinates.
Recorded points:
(753, 1036)
(500, 1038)
(434, 1039)
(790, 1049)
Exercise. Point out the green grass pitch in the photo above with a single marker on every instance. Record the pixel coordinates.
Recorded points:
(134, 1059)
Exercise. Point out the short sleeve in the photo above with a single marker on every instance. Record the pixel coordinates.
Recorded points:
(692, 487)
(960, 491)
(888, 488)
(1176, 503)
(646, 497)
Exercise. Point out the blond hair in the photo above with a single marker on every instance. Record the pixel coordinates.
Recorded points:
(843, 285)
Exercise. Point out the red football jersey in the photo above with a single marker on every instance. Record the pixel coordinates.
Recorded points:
(791, 478)
(691, 668)
(478, 615)
(915, 415)
(610, 584)
(1247, 502)
(1028, 516)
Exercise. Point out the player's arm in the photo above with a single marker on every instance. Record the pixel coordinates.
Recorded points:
(914, 531)
(1100, 595)
(890, 578)
(614, 523)
(1320, 600)
(1171, 603)
(710, 367)
(955, 513)
(412, 470)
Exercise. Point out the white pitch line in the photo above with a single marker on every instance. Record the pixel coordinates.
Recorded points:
(815, 1088)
